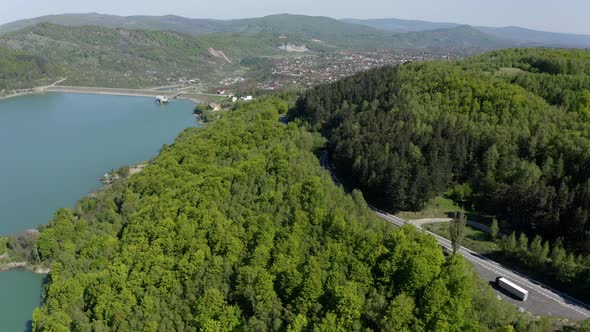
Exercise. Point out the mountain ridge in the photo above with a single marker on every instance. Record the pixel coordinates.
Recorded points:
(520, 36)
(320, 29)
(530, 37)
(194, 26)
(457, 38)
(401, 25)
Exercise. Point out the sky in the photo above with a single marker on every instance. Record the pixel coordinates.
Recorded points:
(549, 15)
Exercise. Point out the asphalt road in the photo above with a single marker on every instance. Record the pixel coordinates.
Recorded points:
(542, 299)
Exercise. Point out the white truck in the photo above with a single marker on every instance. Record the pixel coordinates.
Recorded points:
(512, 288)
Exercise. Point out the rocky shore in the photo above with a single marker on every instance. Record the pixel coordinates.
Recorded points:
(24, 265)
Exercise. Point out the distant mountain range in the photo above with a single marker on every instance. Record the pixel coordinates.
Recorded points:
(516, 35)
(401, 26)
(343, 33)
(321, 28)
(528, 37)
(108, 50)
(461, 37)
(284, 23)
(318, 32)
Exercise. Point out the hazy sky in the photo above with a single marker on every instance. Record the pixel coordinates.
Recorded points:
(549, 15)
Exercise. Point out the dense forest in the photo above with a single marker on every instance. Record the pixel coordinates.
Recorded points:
(561, 77)
(19, 70)
(506, 133)
(237, 227)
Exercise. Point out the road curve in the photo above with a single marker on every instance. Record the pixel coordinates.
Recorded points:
(543, 300)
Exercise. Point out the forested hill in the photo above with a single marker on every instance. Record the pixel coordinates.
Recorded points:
(315, 30)
(283, 23)
(457, 38)
(324, 28)
(19, 70)
(97, 56)
(168, 22)
(507, 132)
(236, 227)
(521, 37)
(561, 77)
(527, 37)
(399, 25)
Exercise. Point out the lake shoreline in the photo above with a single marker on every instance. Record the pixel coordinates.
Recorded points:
(100, 91)
(24, 265)
(120, 92)
(22, 93)
(37, 269)
(84, 136)
(33, 90)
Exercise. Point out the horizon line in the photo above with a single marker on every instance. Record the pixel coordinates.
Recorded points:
(341, 19)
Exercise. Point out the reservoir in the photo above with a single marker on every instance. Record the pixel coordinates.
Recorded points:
(21, 293)
(54, 148)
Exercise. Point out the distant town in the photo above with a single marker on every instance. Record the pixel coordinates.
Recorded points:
(316, 68)
(307, 70)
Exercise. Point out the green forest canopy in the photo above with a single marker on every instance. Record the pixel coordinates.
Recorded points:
(510, 129)
(19, 70)
(236, 227)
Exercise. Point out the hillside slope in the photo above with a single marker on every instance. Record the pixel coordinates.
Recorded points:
(98, 56)
(236, 227)
(400, 26)
(169, 22)
(518, 36)
(315, 31)
(507, 132)
(528, 37)
(458, 38)
(323, 28)
(19, 70)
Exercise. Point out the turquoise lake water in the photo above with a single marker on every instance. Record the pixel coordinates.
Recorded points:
(54, 148)
(20, 293)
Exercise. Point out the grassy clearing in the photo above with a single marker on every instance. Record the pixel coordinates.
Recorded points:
(475, 240)
(442, 207)
(439, 207)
